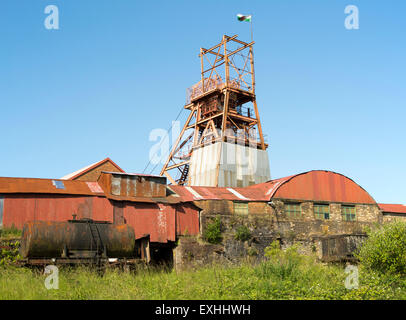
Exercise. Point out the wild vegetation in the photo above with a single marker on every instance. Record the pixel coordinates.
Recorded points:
(212, 234)
(9, 233)
(284, 274)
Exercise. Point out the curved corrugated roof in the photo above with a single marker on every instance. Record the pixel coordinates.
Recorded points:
(316, 185)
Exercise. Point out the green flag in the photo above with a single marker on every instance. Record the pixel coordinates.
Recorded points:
(241, 17)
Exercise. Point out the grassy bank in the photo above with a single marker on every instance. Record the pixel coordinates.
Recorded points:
(285, 274)
(270, 280)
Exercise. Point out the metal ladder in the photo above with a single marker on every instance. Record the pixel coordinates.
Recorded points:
(184, 175)
(96, 239)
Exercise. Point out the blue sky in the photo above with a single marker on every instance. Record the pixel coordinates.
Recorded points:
(329, 98)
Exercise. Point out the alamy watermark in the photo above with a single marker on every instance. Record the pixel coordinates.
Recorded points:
(351, 281)
(351, 21)
(51, 281)
(51, 22)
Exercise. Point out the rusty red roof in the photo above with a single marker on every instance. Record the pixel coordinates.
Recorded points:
(50, 186)
(68, 187)
(392, 208)
(215, 193)
(316, 185)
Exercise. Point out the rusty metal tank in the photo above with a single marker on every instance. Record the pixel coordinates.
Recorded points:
(52, 239)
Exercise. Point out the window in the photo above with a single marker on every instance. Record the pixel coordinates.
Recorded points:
(293, 210)
(321, 211)
(348, 213)
(241, 207)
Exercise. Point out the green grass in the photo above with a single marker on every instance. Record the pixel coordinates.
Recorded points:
(273, 279)
(9, 233)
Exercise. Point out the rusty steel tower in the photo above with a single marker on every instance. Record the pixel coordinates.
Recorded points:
(221, 143)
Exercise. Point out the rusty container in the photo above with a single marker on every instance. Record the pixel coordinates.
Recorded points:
(53, 239)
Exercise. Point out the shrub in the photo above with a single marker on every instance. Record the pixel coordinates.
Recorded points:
(212, 234)
(283, 263)
(242, 234)
(385, 249)
(9, 252)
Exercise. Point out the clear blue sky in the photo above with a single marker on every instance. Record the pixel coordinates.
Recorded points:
(329, 98)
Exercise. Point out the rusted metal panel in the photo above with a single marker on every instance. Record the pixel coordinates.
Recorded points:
(133, 185)
(146, 218)
(20, 208)
(49, 186)
(157, 220)
(341, 247)
(118, 212)
(187, 220)
(392, 208)
(102, 209)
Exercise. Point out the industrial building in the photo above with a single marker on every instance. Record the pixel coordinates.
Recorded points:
(218, 167)
(309, 208)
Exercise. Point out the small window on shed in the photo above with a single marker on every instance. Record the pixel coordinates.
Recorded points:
(321, 211)
(348, 213)
(293, 210)
(241, 207)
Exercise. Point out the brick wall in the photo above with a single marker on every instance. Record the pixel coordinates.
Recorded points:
(94, 174)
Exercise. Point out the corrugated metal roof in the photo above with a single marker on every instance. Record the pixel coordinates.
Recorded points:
(213, 193)
(316, 185)
(69, 187)
(82, 171)
(49, 186)
(392, 208)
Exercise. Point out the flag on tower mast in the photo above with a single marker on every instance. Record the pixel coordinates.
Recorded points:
(247, 18)
(242, 17)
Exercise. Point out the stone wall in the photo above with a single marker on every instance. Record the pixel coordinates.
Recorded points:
(390, 217)
(269, 222)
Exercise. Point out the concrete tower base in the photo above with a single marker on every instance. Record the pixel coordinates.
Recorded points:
(224, 164)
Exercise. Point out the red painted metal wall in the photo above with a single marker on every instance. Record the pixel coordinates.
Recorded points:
(161, 221)
(154, 219)
(187, 220)
(20, 208)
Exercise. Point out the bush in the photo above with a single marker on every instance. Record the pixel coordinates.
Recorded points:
(242, 234)
(212, 234)
(9, 251)
(283, 263)
(385, 249)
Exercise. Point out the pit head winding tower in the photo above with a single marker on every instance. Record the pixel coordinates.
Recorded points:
(221, 143)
